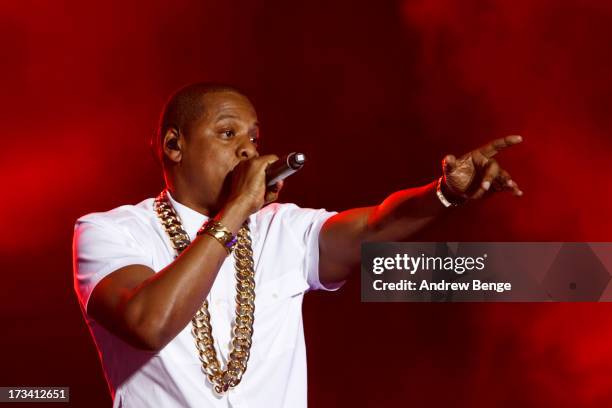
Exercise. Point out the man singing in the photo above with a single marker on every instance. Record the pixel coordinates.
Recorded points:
(194, 298)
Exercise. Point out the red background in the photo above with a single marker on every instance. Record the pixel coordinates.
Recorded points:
(375, 93)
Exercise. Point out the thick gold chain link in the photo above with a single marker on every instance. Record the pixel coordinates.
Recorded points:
(241, 341)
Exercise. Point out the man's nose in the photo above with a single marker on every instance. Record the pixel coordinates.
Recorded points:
(247, 150)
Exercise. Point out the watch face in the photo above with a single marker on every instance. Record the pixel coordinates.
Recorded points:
(220, 235)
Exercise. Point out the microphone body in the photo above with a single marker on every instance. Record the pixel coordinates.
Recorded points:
(284, 167)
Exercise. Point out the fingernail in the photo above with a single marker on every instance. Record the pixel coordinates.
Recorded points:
(520, 193)
(509, 183)
(486, 185)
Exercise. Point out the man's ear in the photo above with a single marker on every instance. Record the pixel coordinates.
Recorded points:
(172, 146)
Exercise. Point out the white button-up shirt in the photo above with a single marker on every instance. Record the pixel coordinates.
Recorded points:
(286, 253)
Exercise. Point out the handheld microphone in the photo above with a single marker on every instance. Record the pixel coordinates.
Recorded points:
(283, 168)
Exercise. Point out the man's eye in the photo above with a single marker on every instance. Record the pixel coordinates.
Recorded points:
(229, 133)
(255, 140)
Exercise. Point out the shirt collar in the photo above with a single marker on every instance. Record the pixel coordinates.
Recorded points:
(191, 219)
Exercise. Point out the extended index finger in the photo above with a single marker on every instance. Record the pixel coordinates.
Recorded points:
(491, 149)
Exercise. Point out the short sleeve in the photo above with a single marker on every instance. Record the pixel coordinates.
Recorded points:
(307, 223)
(100, 248)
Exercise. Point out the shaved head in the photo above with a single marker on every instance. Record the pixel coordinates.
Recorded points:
(205, 131)
(183, 109)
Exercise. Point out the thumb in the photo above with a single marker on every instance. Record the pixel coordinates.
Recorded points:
(449, 163)
(273, 192)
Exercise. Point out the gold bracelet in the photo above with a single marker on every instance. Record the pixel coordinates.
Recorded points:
(219, 232)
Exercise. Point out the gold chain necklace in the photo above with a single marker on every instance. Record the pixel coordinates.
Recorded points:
(241, 342)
